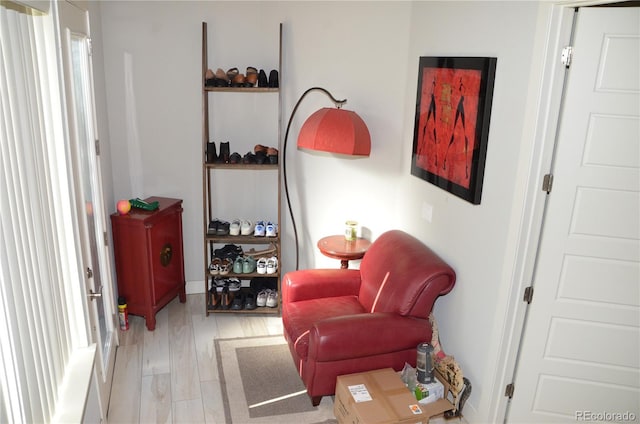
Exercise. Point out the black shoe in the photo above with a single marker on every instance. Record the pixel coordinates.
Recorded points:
(225, 152)
(238, 301)
(273, 79)
(250, 301)
(262, 79)
(249, 158)
(235, 158)
(211, 152)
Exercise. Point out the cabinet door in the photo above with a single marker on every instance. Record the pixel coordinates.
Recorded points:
(166, 256)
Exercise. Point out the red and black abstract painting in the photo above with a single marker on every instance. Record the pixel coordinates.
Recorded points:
(453, 110)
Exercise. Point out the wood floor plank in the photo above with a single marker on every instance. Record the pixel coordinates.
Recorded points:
(156, 358)
(188, 412)
(156, 403)
(124, 406)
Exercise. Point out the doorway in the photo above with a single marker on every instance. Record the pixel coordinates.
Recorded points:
(578, 358)
(99, 309)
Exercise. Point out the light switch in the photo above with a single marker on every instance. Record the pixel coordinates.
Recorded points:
(427, 212)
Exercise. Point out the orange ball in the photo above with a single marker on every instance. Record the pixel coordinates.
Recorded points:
(123, 206)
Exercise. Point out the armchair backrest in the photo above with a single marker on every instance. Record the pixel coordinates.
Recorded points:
(401, 275)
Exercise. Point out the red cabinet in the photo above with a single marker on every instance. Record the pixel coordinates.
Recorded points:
(149, 257)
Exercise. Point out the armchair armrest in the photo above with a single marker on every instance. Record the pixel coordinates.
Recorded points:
(363, 335)
(319, 283)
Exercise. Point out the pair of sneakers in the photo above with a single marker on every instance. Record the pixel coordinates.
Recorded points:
(267, 266)
(265, 230)
(268, 298)
(244, 265)
(241, 227)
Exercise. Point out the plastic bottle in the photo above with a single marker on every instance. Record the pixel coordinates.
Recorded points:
(123, 314)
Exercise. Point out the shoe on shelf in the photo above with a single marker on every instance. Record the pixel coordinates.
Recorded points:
(214, 266)
(213, 226)
(222, 80)
(261, 158)
(248, 265)
(262, 79)
(222, 229)
(232, 73)
(235, 158)
(237, 265)
(238, 301)
(225, 266)
(234, 228)
(233, 284)
(272, 155)
(273, 79)
(250, 301)
(238, 81)
(267, 252)
(220, 284)
(272, 299)
(246, 227)
(249, 158)
(272, 265)
(211, 154)
(209, 78)
(226, 299)
(214, 300)
(261, 266)
(259, 148)
(270, 229)
(225, 152)
(259, 230)
(231, 251)
(261, 298)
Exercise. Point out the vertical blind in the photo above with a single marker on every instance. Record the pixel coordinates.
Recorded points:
(41, 313)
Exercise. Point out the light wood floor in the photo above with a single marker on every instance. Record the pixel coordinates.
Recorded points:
(170, 375)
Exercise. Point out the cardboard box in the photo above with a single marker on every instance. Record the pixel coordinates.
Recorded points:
(434, 391)
(380, 397)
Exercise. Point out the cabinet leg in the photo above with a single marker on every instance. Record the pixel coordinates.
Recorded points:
(182, 295)
(151, 322)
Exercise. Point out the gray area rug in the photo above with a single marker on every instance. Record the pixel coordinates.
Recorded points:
(260, 384)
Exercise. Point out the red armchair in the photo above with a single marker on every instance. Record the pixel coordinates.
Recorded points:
(343, 321)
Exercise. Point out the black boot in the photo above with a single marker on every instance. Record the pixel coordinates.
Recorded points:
(273, 79)
(211, 152)
(262, 79)
(225, 152)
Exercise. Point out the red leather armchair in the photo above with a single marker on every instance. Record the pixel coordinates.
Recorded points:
(343, 321)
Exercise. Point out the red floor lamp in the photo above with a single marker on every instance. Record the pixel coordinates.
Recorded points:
(333, 130)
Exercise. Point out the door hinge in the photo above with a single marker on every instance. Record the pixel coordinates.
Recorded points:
(106, 241)
(89, 47)
(528, 294)
(547, 183)
(509, 390)
(566, 56)
(97, 147)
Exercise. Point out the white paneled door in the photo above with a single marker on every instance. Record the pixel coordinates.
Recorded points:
(580, 355)
(87, 189)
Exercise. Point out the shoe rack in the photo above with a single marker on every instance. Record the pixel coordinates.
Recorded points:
(212, 198)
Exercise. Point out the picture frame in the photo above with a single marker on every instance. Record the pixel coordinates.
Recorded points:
(451, 130)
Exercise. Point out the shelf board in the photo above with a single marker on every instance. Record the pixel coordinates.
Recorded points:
(243, 89)
(242, 239)
(243, 276)
(258, 310)
(253, 166)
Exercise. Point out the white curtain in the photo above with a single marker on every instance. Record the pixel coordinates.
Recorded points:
(41, 319)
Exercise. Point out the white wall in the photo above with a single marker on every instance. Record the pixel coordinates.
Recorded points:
(368, 53)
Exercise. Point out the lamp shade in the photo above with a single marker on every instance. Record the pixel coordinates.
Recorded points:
(336, 131)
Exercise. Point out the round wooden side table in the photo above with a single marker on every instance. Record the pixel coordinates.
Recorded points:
(337, 247)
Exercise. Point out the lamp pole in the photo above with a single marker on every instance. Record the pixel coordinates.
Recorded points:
(338, 104)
